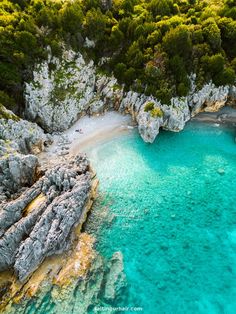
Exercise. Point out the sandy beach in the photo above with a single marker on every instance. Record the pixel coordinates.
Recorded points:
(86, 132)
(92, 130)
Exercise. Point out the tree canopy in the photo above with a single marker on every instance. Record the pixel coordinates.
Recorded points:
(151, 46)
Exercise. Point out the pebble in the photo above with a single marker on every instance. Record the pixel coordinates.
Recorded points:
(221, 171)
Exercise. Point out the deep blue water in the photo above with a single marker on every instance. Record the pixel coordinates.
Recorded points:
(174, 204)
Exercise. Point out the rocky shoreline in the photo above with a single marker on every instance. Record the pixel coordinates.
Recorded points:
(44, 207)
(226, 115)
(56, 98)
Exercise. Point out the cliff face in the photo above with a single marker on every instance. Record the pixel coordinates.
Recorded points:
(62, 91)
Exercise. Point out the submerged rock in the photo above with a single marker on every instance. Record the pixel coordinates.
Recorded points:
(40, 222)
(115, 280)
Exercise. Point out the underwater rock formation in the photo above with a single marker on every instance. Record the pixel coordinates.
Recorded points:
(40, 222)
(101, 283)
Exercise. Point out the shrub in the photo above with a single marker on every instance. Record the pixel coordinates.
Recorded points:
(149, 106)
(227, 76)
(157, 112)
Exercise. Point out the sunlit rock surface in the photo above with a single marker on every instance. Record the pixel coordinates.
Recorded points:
(63, 90)
(40, 222)
(19, 140)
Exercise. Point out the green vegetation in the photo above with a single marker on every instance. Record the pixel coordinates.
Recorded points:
(149, 106)
(5, 114)
(151, 46)
(156, 113)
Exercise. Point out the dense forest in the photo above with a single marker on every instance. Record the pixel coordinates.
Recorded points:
(151, 46)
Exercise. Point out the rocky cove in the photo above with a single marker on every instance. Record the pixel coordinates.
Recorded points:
(45, 204)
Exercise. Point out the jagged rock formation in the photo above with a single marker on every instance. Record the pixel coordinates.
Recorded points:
(56, 98)
(18, 137)
(103, 282)
(17, 171)
(210, 98)
(28, 136)
(172, 117)
(40, 222)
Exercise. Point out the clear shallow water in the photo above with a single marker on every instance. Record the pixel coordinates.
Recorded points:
(174, 209)
(175, 218)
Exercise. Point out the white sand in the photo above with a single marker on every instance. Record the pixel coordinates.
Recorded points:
(97, 128)
(94, 129)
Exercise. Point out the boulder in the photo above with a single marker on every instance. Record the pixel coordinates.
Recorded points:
(209, 98)
(115, 280)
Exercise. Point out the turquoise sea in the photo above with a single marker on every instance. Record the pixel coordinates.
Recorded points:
(174, 218)
(171, 212)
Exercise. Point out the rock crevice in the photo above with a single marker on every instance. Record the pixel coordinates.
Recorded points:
(40, 222)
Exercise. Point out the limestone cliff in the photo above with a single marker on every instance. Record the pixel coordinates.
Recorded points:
(63, 90)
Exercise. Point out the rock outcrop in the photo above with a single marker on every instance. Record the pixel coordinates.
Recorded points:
(210, 98)
(174, 116)
(40, 222)
(16, 171)
(62, 91)
(18, 138)
(28, 136)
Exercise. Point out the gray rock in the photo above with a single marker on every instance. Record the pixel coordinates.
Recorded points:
(209, 98)
(148, 126)
(56, 101)
(17, 171)
(27, 136)
(29, 234)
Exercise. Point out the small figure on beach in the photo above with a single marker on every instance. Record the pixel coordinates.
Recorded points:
(79, 131)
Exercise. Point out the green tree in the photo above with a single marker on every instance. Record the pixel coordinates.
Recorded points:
(95, 24)
(212, 34)
(72, 18)
(178, 41)
(161, 7)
